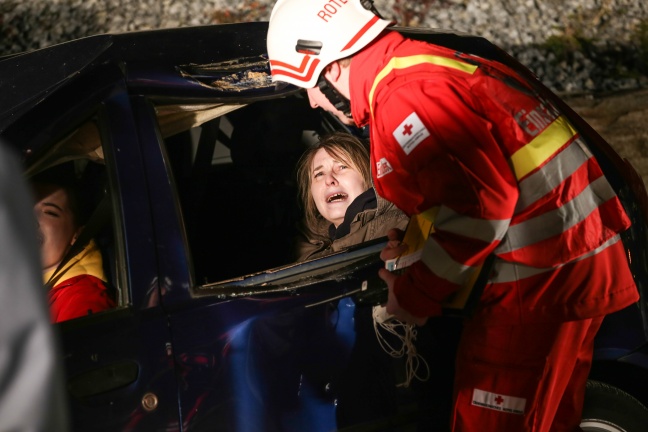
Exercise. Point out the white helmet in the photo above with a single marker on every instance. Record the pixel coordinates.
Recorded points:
(304, 36)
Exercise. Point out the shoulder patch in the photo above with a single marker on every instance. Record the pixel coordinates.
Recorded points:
(383, 167)
(410, 133)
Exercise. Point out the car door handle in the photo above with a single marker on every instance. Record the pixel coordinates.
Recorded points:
(103, 379)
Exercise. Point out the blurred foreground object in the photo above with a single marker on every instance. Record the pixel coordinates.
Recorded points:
(31, 389)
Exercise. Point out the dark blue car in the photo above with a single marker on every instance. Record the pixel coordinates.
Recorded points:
(188, 153)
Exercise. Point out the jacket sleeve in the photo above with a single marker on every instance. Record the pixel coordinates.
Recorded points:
(442, 154)
(390, 217)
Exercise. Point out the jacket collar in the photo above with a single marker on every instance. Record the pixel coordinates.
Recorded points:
(364, 201)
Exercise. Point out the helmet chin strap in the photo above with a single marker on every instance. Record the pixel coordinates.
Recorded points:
(335, 97)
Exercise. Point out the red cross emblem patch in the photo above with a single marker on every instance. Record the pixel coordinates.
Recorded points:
(410, 133)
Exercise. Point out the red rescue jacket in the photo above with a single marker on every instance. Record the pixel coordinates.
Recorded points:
(508, 174)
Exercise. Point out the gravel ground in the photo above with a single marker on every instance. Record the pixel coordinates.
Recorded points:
(621, 118)
(592, 52)
(575, 46)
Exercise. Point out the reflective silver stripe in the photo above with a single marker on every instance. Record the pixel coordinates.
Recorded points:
(559, 220)
(552, 174)
(486, 230)
(506, 272)
(442, 265)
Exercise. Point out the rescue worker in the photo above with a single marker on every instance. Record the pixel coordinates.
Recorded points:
(471, 143)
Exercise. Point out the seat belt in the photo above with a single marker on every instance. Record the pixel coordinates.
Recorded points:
(97, 220)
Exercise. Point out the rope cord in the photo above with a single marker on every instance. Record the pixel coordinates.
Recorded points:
(406, 334)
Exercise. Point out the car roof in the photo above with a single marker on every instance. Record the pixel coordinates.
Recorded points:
(217, 62)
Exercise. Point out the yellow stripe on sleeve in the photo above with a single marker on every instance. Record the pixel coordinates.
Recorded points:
(405, 62)
(542, 147)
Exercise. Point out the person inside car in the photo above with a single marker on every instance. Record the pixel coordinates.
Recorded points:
(486, 153)
(341, 209)
(79, 287)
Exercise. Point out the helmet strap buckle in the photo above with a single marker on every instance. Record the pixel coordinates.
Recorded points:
(340, 102)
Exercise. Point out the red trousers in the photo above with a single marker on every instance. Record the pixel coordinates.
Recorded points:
(523, 378)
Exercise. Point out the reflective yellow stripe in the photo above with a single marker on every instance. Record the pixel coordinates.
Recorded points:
(542, 147)
(405, 62)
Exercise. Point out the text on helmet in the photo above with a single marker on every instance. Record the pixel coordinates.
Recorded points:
(331, 8)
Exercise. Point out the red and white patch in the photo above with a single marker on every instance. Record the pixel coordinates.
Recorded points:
(383, 167)
(410, 133)
(498, 402)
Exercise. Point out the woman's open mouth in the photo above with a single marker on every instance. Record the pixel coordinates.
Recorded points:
(336, 197)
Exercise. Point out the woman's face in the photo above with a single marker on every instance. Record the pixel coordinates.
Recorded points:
(57, 230)
(334, 186)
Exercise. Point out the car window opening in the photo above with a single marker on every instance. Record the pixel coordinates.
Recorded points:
(235, 176)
